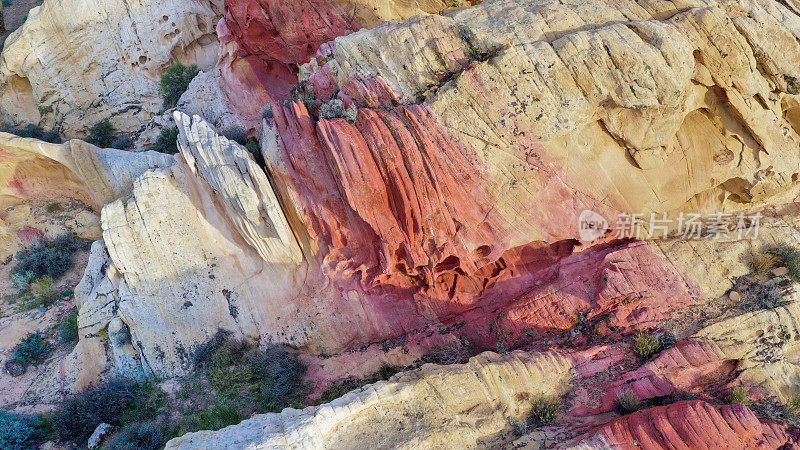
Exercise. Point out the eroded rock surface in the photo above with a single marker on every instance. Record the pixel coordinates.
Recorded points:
(73, 63)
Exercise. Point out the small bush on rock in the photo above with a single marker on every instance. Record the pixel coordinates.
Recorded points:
(102, 134)
(49, 258)
(543, 411)
(18, 431)
(31, 350)
(737, 394)
(167, 141)
(68, 328)
(627, 402)
(175, 81)
(453, 353)
(33, 131)
(76, 419)
(646, 345)
(122, 143)
(334, 108)
(137, 436)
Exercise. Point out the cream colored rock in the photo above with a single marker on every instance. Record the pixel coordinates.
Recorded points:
(618, 105)
(107, 174)
(74, 63)
(463, 406)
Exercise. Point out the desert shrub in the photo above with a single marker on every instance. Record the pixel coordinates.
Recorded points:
(34, 131)
(236, 134)
(769, 295)
(167, 141)
(543, 412)
(342, 387)
(762, 262)
(627, 402)
(48, 258)
(219, 416)
(175, 81)
(16, 431)
(102, 134)
(453, 353)
(7, 3)
(737, 394)
(279, 375)
(137, 436)
(21, 431)
(519, 427)
(45, 290)
(266, 113)
(122, 143)
(76, 419)
(24, 18)
(68, 328)
(792, 405)
(20, 281)
(268, 379)
(335, 109)
(53, 208)
(646, 344)
(32, 349)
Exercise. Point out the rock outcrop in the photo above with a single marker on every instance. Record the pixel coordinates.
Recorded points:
(73, 63)
(464, 405)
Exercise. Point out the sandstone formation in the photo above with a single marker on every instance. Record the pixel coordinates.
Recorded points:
(74, 63)
(463, 406)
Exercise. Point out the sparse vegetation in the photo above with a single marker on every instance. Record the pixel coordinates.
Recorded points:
(793, 404)
(45, 290)
(102, 134)
(335, 108)
(344, 386)
(646, 344)
(53, 208)
(33, 131)
(7, 3)
(266, 113)
(18, 431)
(627, 402)
(769, 295)
(167, 141)
(543, 411)
(453, 353)
(68, 328)
(737, 394)
(175, 81)
(236, 134)
(122, 143)
(31, 350)
(137, 436)
(519, 427)
(49, 258)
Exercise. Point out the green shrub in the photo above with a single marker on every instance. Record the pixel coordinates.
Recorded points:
(68, 328)
(769, 295)
(167, 141)
(335, 109)
(102, 134)
(7, 3)
(45, 290)
(49, 258)
(122, 143)
(646, 344)
(219, 416)
(137, 436)
(627, 402)
(543, 412)
(76, 419)
(279, 375)
(175, 81)
(31, 350)
(342, 387)
(33, 131)
(16, 431)
(53, 208)
(737, 394)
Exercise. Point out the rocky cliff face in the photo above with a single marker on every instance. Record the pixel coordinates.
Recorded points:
(73, 64)
(421, 181)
